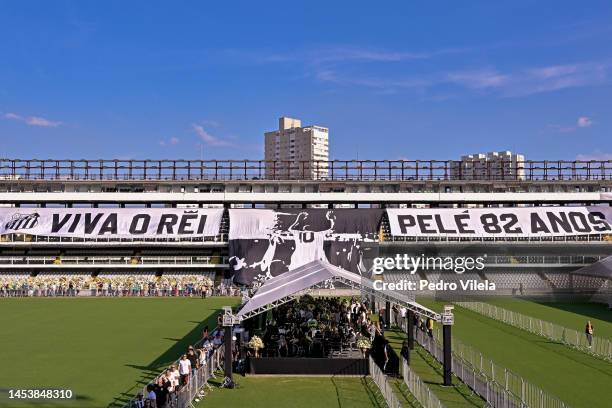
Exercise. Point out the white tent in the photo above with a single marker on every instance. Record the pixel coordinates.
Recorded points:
(600, 269)
(289, 285)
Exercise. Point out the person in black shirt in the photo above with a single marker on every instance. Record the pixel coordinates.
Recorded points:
(162, 391)
(193, 359)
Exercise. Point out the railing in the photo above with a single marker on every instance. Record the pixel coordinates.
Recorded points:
(418, 388)
(197, 382)
(498, 386)
(16, 238)
(441, 238)
(515, 391)
(600, 347)
(384, 385)
(114, 260)
(353, 170)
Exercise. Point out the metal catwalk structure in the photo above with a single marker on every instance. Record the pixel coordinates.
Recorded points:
(290, 285)
(339, 170)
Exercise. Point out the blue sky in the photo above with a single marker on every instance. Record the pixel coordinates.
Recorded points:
(406, 79)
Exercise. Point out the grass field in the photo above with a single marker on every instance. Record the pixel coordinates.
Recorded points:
(430, 371)
(570, 315)
(574, 377)
(297, 392)
(104, 349)
(100, 348)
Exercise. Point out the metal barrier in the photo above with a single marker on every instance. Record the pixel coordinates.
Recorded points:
(195, 388)
(547, 239)
(600, 347)
(114, 260)
(498, 385)
(220, 239)
(383, 384)
(418, 388)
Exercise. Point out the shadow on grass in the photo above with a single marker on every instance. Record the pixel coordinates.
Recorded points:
(149, 372)
(588, 310)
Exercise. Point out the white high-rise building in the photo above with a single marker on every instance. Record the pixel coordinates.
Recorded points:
(490, 166)
(294, 151)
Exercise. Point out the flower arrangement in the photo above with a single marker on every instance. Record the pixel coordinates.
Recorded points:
(364, 343)
(256, 344)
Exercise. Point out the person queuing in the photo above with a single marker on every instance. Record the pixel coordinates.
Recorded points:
(588, 331)
(113, 286)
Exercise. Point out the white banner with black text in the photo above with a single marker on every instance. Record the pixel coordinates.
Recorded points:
(500, 222)
(111, 222)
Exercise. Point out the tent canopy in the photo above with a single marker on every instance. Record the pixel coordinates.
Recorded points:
(600, 269)
(289, 285)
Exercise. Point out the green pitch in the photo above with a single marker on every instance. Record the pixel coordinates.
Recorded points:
(576, 378)
(571, 315)
(297, 392)
(100, 348)
(430, 372)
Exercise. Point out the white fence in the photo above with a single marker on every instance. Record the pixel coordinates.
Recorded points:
(195, 388)
(418, 388)
(384, 385)
(498, 386)
(600, 347)
(113, 260)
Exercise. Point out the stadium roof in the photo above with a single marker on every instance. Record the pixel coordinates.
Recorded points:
(289, 285)
(600, 269)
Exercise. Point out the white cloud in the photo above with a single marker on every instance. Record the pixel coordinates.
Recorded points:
(479, 79)
(332, 54)
(207, 137)
(597, 155)
(12, 116)
(32, 120)
(172, 141)
(581, 123)
(505, 83)
(584, 122)
(38, 121)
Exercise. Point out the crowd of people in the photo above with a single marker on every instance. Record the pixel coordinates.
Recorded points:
(163, 391)
(316, 327)
(113, 286)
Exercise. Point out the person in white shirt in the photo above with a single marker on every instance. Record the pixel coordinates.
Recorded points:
(184, 369)
(174, 377)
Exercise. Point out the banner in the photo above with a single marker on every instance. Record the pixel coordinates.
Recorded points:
(266, 243)
(111, 222)
(500, 222)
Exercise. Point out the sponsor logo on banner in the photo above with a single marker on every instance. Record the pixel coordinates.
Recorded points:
(22, 221)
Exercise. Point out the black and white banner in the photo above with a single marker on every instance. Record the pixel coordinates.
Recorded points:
(500, 222)
(266, 243)
(107, 222)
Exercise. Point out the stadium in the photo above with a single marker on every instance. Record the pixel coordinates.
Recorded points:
(112, 271)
